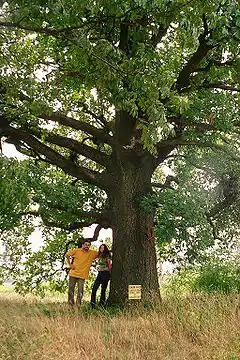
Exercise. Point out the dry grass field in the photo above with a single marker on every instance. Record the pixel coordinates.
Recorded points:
(195, 328)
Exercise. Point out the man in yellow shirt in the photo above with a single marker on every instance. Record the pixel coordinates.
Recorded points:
(79, 261)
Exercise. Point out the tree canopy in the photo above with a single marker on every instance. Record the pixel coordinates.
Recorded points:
(101, 95)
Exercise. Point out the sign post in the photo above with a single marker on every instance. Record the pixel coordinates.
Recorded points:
(134, 292)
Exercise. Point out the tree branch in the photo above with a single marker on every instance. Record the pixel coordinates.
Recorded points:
(156, 38)
(163, 152)
(214, 231)
(216, 64)
(82, 173)
(79, 148)
(40, 30)
(99, 118)
(221, 86)
(99, 227)
(180, 141)
(189, 160)
(185, 122)
(53, 117)
(103, 219)
(183, 79)
(74, 226)
(218, 208)
(99, 134)
(93, 215)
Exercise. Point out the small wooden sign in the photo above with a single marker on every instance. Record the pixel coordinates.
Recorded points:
(134, 292)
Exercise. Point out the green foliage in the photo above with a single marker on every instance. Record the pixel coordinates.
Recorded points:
(219, 277)
(182, 229)
(215, 276)
(179, 283)
(28, 188)
(198, 189)
(14, 195)
(40, 65)
(31, 195)
(68, 57)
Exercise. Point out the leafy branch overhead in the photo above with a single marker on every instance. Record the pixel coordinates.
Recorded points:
(138, 59)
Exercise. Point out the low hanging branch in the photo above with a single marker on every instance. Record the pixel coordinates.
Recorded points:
(103, 219)
(73, 226)
(84, 108)
(74, 145)
(100, 134)
(180, 141)
(221, 86)
(80, 172)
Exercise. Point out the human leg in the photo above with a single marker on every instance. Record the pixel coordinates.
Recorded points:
(80, 292)
(95, 287)
(71, 287)
(105, 280)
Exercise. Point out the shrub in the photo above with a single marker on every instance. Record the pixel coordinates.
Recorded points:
(224, 278)
(215, 276)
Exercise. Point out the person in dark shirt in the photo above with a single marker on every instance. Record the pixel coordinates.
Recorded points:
(104, 265)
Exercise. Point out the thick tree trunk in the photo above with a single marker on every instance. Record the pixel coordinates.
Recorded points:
(134, 254)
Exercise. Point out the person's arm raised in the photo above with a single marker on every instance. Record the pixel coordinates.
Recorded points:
(69, 255)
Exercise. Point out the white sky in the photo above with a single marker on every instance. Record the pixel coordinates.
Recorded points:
(10, 151)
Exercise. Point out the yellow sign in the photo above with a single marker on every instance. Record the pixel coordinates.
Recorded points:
(134, 292)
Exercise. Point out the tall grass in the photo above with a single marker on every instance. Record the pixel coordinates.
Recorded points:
(198, 328)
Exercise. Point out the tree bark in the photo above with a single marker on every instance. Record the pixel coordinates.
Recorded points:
(134, 253)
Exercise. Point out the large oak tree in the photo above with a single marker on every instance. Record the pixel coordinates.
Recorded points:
(107, 91)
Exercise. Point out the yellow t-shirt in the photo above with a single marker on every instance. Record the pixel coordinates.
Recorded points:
(82, 261)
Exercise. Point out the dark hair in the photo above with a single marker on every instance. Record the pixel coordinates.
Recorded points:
(86, 240)
(83, 241)
(106, 252)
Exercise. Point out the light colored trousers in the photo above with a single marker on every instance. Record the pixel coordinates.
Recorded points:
(71, 289)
